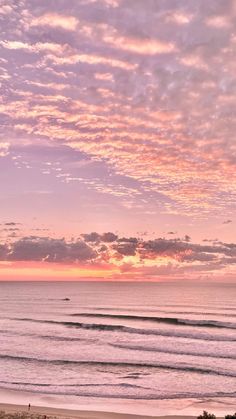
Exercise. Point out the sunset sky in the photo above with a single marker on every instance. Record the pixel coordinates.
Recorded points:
(117, 146)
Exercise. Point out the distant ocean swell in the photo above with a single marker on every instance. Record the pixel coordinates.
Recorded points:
(148, 332)
(206, 313)
(78, 390)
(154, 349)
(167, 366)
(173, 352)
(74, 385)
(230, 307)
(191, 334)
(166, 320)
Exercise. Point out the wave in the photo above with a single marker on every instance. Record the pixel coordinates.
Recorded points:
(193, 312)
(47, 337)
(171, 352)
(167, 306)
(73, 385)
(78, 391)
(167, 320)
(174, 367)
(132, 330)
(76, 324)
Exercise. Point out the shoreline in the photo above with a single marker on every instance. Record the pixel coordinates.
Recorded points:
(12, 401)
(79, 414)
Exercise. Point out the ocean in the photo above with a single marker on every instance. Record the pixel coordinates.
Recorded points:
(126, 343)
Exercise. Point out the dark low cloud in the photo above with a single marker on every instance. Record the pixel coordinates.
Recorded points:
(187, 238)
(11, 223)
(98, 238)
(91, 237)
(109, 237)
(3, 252)
(105, 248)
(126, 248)
(46, 249)
(184, 251)
(11, 229)
(128, 240)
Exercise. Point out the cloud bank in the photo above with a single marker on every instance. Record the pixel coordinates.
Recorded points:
(129, 255)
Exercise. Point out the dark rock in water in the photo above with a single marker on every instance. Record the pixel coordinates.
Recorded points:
(66, 299)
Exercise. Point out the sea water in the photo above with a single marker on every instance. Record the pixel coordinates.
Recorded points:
(115, 341)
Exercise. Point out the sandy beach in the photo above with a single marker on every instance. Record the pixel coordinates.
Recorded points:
(16, 402)
(78, 414)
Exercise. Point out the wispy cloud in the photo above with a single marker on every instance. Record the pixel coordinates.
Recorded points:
(54, 20)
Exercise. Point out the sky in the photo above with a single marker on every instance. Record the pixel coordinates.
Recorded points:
(117, 140)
